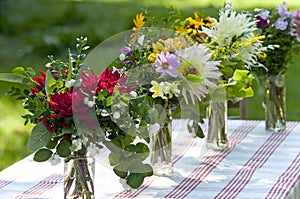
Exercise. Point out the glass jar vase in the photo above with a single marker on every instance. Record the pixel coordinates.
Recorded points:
(275, 104)
(79, 178)
(216, 138)
(161, 146)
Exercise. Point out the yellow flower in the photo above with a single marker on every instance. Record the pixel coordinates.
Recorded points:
(195, 25)
(262, 56)
(152, 57)
(138, 22)
(157, 90)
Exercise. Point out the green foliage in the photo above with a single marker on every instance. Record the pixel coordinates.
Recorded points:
(39, 137)
(237, 87)
(42, 155)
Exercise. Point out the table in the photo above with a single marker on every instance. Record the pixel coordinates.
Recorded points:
(257, 164)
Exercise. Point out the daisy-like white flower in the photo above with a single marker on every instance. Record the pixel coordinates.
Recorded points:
(237, 31)
(230, 24)
(166, 63)
(199, 74)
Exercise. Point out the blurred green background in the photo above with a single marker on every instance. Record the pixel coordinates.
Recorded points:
(33, 29)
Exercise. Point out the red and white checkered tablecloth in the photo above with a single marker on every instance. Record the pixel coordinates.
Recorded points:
(258, 164)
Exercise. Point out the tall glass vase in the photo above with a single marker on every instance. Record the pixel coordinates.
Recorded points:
(161, 147)
(275, 105)
(79, 178)
(217, 125)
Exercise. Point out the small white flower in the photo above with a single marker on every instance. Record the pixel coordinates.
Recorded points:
(91, 103)
(140, 40)
(70, 83)
(49, 65)
(93, 150)
(116, 115)
(122, 57)
(133, 94)
(153, 128)
(54, 160)
(76, 145)
(125, 185)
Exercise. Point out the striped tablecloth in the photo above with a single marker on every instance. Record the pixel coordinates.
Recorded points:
(258, 164)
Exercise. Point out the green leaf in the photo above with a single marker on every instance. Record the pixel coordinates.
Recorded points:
(42, 155)
(66, 130)
(135, 180)
(194, 78)
(69, 77)
(52, 144)
(10, 77)
(49, 78)
(40, 137)
(249, 92)
(109, 101)
(121, 170)
(239, 74)
(19, 71)
(63, 149)
(30, 71)
(114, 158)
(199, 132)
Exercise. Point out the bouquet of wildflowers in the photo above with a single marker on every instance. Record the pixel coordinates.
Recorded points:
(75, 113)
(168, 68)
(282, 33)
(54, 105)
(233, 41)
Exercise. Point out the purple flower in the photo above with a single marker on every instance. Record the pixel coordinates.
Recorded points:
(264, 15)
(281, 24)
(126, 51)
(283, 11)
(262, 23)
(167, 63)
(296, 20)
(296, 17)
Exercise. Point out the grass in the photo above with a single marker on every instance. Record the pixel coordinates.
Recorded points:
(31, 30)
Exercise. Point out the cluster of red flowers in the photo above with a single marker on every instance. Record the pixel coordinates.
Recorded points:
(108, 80)
(74, 101)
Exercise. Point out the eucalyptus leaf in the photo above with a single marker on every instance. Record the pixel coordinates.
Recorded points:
(121, 169)
(42, 155)
(63, 148)
(114, 158)
(40, 137)
(135, 180)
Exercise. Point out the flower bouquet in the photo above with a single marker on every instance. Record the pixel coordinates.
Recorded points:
(232, 40)
(52, 100)
(282, 34)
(170, 69)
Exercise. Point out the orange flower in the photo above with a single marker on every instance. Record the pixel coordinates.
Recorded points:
(138, 22)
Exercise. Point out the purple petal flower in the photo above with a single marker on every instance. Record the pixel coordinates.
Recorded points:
(262, 23)
(296, 16)
(283, 11)
(281, 24)
(296, 23)
(166, 63)
(126, 51)
(264, 14)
